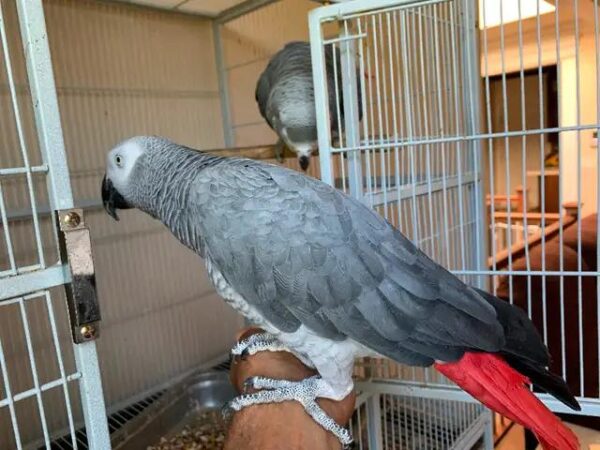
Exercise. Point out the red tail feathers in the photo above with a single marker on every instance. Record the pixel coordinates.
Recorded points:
(494, 383)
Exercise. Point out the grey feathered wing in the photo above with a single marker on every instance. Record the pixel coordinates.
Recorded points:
(261, 94)
(301, 252)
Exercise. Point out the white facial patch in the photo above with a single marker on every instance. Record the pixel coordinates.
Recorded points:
(121, 161)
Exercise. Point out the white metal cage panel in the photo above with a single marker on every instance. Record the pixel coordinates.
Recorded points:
(406, 422)
(122, 71)
(425, 423)
(537, 140)
(38, 371)
(407, 158)
(478, 142)
(540, 83)
(46, 384)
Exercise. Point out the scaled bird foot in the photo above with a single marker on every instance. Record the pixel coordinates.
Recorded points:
(259, 342)
(305, 392)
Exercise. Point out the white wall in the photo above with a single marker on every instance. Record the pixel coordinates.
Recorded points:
(583, 188)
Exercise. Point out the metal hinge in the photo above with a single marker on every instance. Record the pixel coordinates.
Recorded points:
(76, 251)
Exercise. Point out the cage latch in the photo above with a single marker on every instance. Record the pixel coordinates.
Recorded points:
(76, 251)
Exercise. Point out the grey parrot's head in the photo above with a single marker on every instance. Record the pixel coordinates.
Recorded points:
(120, 164)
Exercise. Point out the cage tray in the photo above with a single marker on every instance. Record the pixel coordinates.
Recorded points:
(182, 409)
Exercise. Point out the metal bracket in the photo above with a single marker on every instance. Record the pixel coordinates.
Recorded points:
(76, 251)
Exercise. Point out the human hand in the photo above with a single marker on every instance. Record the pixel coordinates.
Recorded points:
(281, 425)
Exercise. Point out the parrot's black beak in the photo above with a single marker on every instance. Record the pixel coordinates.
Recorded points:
(304, 160)
(111, 199)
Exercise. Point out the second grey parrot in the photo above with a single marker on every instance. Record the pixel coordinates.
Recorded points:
(286, 98)
(331, 280)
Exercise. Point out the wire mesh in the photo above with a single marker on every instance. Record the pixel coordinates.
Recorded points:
(21, 170)
(478, 140)
(412, 423)
(37, 371)
(407, 103)
(533, 78)
(39, 393)
(415, 168)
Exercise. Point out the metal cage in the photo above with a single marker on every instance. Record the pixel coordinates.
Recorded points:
(462, 125)
(477, 140)
(38, 364)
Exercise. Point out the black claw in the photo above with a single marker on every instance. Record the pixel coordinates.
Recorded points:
(245, 354)
(234, 359)
(226, 411)
(248, 384)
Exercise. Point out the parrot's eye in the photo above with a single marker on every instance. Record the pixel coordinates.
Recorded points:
(119, 160)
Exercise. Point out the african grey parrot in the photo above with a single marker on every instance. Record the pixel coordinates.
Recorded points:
(286, 98)
(331, 280)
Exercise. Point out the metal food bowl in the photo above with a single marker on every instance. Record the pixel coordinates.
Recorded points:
(178, 407)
